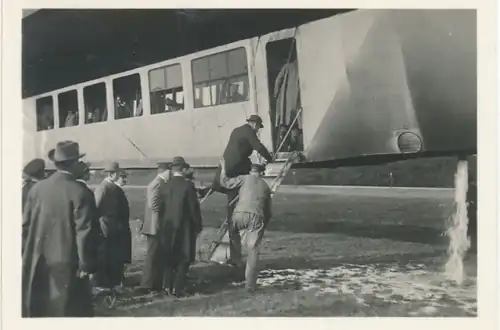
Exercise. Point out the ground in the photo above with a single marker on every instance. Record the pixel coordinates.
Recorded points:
(334, 252)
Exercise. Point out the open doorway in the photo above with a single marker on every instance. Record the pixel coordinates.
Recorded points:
(284, 95)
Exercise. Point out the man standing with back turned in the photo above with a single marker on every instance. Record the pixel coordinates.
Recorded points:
(179, 227)
(152, 273)
(252, 214)
(62, 233)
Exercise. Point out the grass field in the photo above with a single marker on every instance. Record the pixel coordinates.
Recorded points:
(378, 252)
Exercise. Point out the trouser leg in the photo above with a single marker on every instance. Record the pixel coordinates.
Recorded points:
(152, 274)
(181, 276)
(233, 232)
(254, 226)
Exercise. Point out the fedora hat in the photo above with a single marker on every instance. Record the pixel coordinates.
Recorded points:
(64, 151)
(255, 119)
(35, 168)
(112, 167)
(179, 161)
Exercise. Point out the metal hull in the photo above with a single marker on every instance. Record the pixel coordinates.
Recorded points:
(384, 72)
(366, 77)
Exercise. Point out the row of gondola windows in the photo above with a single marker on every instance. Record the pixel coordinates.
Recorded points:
(218, 79)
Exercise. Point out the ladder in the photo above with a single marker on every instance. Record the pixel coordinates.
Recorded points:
(222, 233)
(221, 244)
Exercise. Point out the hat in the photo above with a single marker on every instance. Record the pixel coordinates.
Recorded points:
(64, 151)
(164, 165)
(258, 167)
(256, 119)
(35, 168)
(112, 167)
(123, 174)
(179, 161)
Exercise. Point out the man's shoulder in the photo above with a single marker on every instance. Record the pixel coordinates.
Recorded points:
(57, 183)
(155, 182)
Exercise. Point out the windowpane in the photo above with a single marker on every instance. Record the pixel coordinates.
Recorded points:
(218, 66)
(170, 97)
(157, 80)
(200, 70)
(68, 109)
(226, 69)
(174, 76)
(94, 99)
(237, 62)
(127, 96)
(45, 114)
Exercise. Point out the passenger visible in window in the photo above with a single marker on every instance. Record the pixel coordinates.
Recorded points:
(138, 108)
(235, 95)
(173, 106)
(122, 109)
(296, 140)
(71, 118)
(46, 119)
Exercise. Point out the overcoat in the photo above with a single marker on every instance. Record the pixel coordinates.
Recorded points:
(61, 233)
(181, 222)
(27, 185)
(113, 213)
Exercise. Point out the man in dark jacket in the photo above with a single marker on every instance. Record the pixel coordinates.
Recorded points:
(236, 162)
(33, 172)
(179, 227)
(113, 212)
(61, 232)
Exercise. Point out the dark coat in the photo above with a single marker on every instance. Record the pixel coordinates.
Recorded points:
(61, 232)
(181, 221)
(114, 216)
(27, 185)
(242, 142)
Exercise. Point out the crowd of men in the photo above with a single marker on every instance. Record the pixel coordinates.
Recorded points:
(76, 241)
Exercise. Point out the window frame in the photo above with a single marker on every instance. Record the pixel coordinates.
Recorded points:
(113, 96)
(54, 112)
(85, 114)
(209, 82)
(150, 91)
(59, 108)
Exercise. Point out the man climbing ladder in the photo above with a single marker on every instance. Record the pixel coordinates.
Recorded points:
(235, 183)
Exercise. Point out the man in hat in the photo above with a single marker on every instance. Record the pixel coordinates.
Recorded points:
(33, 172)
(60, 230)
(236, 164)
(242, 142)
(83, 175)
(251, 214)
(113, 212)
(179, 225)
(152, 273)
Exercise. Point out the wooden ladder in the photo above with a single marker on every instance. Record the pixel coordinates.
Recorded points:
(223, 234)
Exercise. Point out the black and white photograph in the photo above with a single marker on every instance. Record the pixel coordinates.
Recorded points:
(249, 162)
